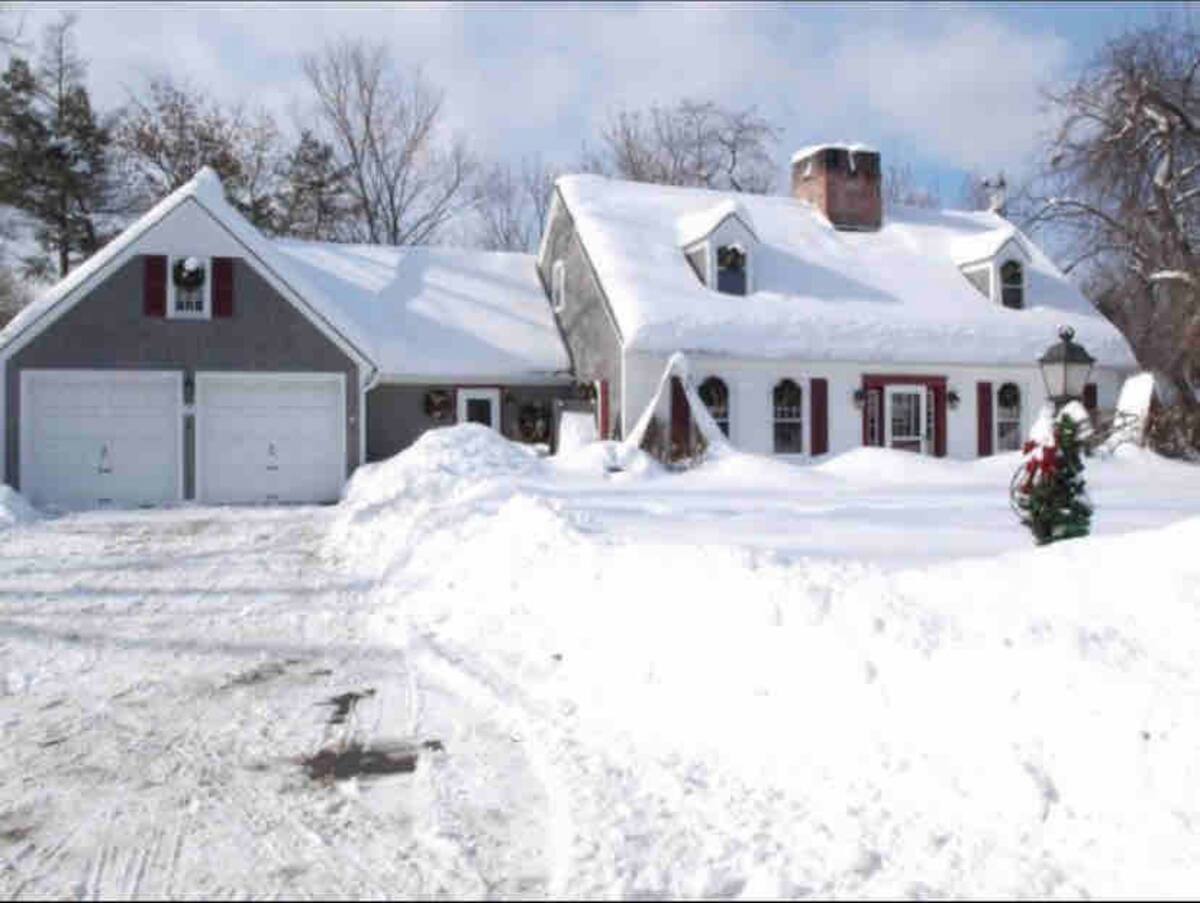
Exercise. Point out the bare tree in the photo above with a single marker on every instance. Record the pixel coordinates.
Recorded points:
(385, 129)
(1122, 184)
(902, 189)
(512, 205)
(694, 143)
(173, 128)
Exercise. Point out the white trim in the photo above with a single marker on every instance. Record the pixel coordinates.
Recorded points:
(558, 286)
(131, 249)
(555, 208)
(25, 439)
(890, 390)
(466, 394)
(215, 376)
(173, 313)
(996, 386)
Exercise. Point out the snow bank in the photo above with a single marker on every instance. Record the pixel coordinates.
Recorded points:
(402, 497)
(14, 510)
(575, 430)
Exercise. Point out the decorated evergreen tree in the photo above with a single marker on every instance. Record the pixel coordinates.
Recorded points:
(1048, 490)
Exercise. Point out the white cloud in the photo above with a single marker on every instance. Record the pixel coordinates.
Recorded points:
(968, 92)
(954, 87)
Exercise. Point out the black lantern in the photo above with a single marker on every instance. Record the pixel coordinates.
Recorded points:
(1065, 368)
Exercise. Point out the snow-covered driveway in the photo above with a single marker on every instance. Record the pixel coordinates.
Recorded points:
(161, 673)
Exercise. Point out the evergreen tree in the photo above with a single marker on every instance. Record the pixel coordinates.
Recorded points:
(53, 153)
(314, 201)
(1049, 491)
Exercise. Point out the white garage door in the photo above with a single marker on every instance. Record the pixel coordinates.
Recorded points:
(95, 438)
(270, 437)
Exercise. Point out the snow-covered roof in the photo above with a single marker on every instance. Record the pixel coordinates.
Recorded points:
(206, 190)
(691, 227)
(984, 245)
(895, 294)
(409, 311)
(853, 147)
(438, 312)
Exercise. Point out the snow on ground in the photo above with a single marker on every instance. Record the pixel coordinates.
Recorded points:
(858, 679)
(14, 509)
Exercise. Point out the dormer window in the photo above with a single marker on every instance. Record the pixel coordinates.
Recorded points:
(731, 270)
(190, 288)
(1012, 284)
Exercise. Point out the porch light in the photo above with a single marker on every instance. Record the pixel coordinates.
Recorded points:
(1065, 368)
(860, 398)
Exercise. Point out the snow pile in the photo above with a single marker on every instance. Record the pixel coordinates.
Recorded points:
(405, 495)
(575, 430)
(14, 510)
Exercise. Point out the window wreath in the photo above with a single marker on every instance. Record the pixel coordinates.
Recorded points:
(533, 422)
(439, 407)
(188, 273)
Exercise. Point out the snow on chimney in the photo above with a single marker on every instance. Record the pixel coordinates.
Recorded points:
(843, 180)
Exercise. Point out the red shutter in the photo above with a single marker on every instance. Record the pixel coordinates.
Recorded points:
(1091, 399)
(222, 287)
(819, 389)
(983, 408)
(939, 421)
(154, 286)
(602, 391)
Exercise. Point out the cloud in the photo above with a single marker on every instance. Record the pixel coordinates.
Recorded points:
(951, 87)
(968, 92)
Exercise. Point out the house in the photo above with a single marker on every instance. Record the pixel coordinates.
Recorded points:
(193, 358)
(813, 322)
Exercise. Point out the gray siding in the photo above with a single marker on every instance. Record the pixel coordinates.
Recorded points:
(396, 415)
(587, 326)
(107, 330)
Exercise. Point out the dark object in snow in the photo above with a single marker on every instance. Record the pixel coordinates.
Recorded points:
(356, 760)
(433, 745)
(344, 703)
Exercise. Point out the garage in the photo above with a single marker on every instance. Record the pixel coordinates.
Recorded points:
(270, 437)
(93, 439)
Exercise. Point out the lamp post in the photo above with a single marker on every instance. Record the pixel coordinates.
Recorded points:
(1065, 369)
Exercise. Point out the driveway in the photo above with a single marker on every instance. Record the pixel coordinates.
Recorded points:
(164, 674)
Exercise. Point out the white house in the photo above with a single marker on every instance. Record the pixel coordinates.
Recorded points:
(814, 323)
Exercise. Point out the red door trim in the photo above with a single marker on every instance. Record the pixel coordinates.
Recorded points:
(876, 381)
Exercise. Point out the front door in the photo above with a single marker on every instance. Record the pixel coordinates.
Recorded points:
(904, 418)
(479, 406)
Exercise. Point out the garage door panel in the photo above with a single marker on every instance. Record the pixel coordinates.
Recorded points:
(100, 438)
(270, 438)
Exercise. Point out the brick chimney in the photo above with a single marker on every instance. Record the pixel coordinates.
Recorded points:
(844, 181)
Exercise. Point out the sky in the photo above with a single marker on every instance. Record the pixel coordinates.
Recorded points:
(946, 89)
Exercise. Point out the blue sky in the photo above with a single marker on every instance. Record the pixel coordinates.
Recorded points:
(945, 88)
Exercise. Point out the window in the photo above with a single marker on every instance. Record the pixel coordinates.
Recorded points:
(558, 285)
(1012, 284)
(1008, 418)
(789, 418)
(731, 270)
(190, 288)
(715, 395)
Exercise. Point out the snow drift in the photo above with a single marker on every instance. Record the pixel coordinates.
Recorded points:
(712, 718)
(14, 510)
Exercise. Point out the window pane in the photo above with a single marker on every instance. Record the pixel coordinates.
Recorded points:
(1012, 296)
(479, 410)
(789, 438)
(906, 415)
(731, 282)
(1008, 435)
